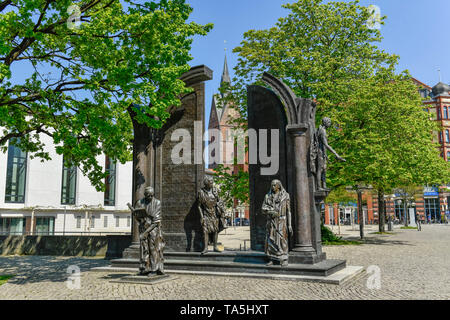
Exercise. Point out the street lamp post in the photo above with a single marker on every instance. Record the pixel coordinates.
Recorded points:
(359, 191)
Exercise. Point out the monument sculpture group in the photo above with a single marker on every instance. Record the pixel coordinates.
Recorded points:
(284, 222)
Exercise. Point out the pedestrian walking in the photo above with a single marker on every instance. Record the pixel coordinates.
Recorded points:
(419, 223)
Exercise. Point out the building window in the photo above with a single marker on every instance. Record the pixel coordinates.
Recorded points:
(117, 222)
(105, 222)
(110, 182)
(445, 113)
(69, 184)
(438, 110)
(14, 226)
(399, 210)
(432, 210)
(45, 225)
(78, 222)
(15, 174)
(128, 221)
(448, 155)
(447, 136)
(92, 222)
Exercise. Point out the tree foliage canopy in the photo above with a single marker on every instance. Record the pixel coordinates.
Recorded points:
(88, 64)
(315, 49)
(328, 52)
(386, 136)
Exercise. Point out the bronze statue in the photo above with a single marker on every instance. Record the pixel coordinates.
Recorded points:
(318, 154)
(147, 212)
(276, 207)
(212, 214)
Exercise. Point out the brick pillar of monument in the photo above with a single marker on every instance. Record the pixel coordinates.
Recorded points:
(175, 185)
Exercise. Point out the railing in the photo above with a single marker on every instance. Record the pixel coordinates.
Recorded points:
(66, 233)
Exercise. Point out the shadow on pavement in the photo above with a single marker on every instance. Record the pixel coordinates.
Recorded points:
(35, 269)
(380, 241)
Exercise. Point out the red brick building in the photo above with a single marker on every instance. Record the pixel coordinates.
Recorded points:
(219, 119)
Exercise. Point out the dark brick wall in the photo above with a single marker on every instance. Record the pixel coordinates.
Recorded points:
(103, 246)
(265, 111)
(177, 185)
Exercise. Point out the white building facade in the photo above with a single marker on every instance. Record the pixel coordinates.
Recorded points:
(41, 198)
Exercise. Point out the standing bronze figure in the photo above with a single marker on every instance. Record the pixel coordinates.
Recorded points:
(212, 214)
(147, 212)
(276, 207)
(318, 154)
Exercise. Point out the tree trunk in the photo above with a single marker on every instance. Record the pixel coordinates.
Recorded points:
(360, 215)
(142, 167)
(381, 212)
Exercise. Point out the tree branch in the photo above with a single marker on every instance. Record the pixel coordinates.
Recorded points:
(4, 4)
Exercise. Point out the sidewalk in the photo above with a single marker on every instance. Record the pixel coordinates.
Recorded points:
(238, 238)
(352, 232)
(235, 238)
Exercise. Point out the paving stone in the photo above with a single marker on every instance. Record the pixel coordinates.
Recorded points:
(413, 265)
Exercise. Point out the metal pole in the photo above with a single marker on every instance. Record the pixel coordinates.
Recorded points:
(360, 215)
(32, 222)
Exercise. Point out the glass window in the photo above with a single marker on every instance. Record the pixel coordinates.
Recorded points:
(78, 222)
(448, 155)
(117, 222)
(128, 221)
(445, 113)
(438, 110)
(447, 136)
(14, 226)
(45, 225)
(110, 182)
(92, 222)
(399, 210)
(69, 184)
(15, 174)
(432, 210)
(105, 222)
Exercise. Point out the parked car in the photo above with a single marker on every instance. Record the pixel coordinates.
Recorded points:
(241, 222)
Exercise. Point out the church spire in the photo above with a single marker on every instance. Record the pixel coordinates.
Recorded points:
(225, 74)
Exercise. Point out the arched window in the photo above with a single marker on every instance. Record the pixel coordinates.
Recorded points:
(447, 136)
(445, 112)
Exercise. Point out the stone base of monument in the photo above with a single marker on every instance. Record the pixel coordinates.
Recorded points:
(306, 258)
(140, 279)
(245, 264)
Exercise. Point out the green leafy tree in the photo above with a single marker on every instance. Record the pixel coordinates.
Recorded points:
(316, 49)
(233, 185)
(88, 64)
(341, 195)
(386, 137)
(327, 52)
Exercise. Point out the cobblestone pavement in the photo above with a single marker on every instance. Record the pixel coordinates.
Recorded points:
(414, 265)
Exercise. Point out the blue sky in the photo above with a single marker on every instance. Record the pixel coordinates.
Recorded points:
(416, 30)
